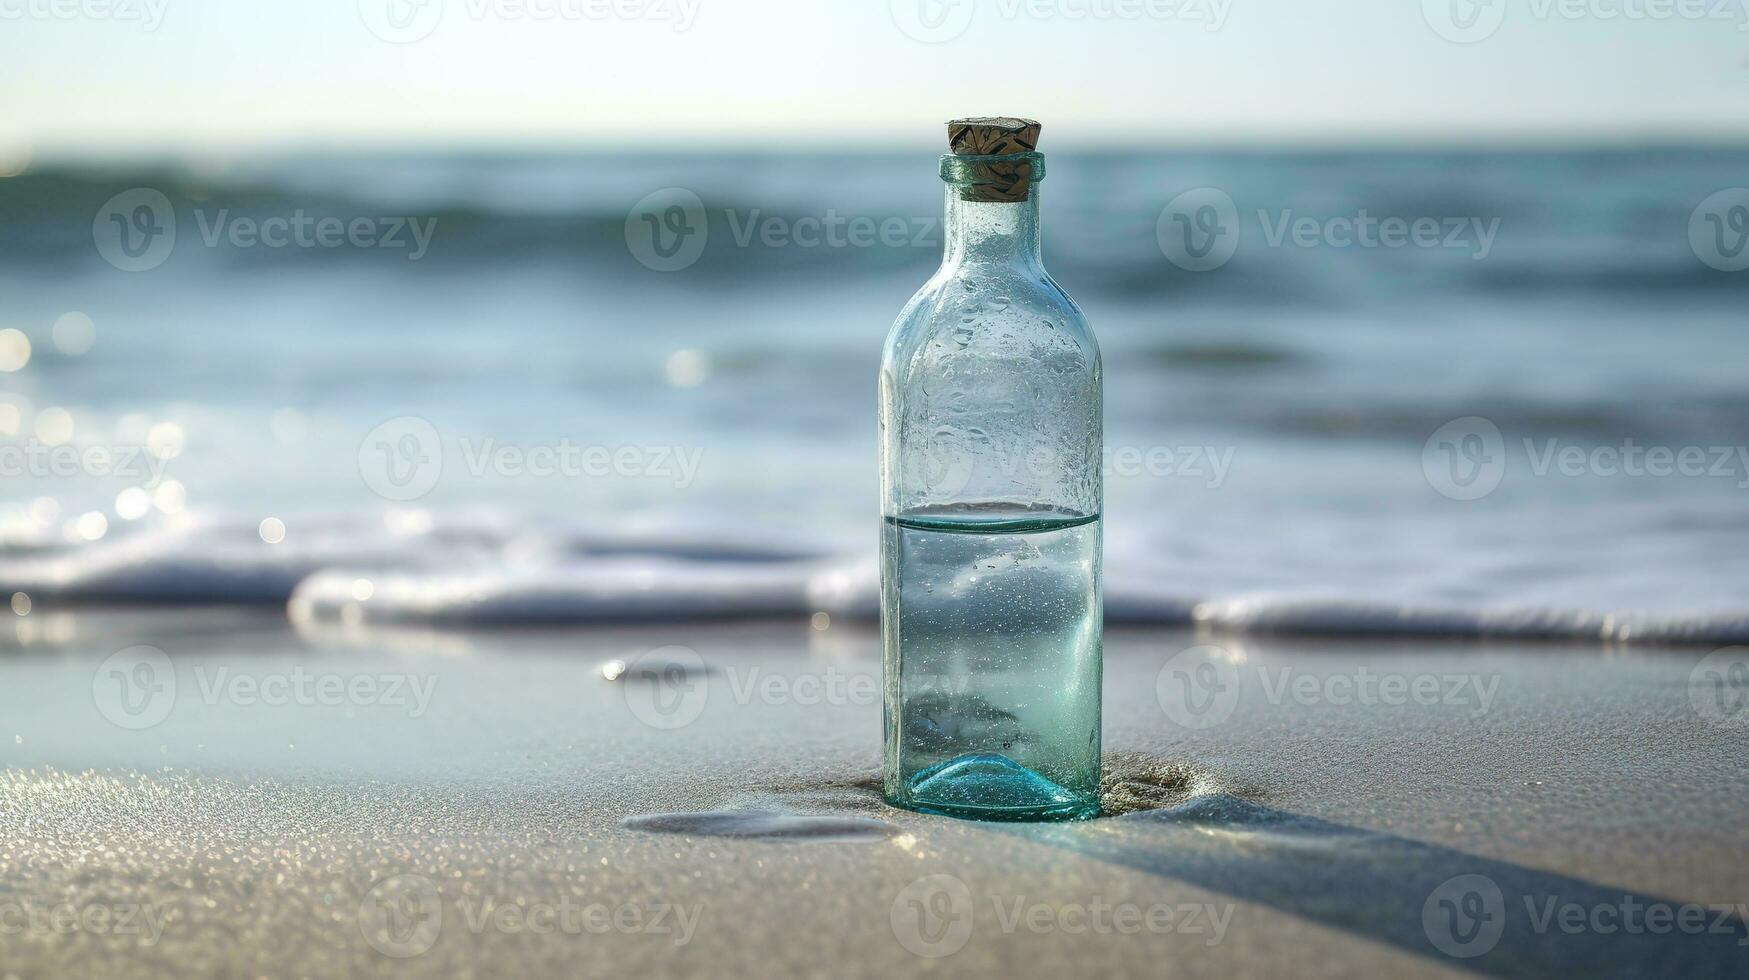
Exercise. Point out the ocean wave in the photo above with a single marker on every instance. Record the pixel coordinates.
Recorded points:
(485, 572)
(1582, 237)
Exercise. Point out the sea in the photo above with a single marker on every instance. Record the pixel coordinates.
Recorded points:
(1463, 393)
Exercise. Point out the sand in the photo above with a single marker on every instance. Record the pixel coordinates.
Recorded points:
(372, 803)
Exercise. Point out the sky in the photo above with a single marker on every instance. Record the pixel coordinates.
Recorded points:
(132, 76)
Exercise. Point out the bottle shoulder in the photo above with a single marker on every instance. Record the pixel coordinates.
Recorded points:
(1015, 311)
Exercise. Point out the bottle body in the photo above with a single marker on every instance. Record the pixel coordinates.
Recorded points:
(991, 611)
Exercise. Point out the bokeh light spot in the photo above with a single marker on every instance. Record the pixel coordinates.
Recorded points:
(14, 349)
(74, 333)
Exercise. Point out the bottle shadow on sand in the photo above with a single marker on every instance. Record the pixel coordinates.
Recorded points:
(1485, 915)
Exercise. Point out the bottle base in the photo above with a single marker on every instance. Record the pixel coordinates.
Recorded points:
(987, 786)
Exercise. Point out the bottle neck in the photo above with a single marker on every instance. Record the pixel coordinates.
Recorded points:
(992, 233)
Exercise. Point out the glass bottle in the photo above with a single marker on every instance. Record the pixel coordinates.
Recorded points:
(991, 449)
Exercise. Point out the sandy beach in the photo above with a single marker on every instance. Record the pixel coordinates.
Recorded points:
(701, 801)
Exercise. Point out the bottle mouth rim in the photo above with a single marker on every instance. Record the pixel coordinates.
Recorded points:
(969, 170)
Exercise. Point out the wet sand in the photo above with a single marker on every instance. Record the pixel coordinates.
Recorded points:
(701, 800)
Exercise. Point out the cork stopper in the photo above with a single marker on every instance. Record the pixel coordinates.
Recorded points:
(995, 136)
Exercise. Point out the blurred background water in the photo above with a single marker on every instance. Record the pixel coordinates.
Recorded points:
(1271, 423)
